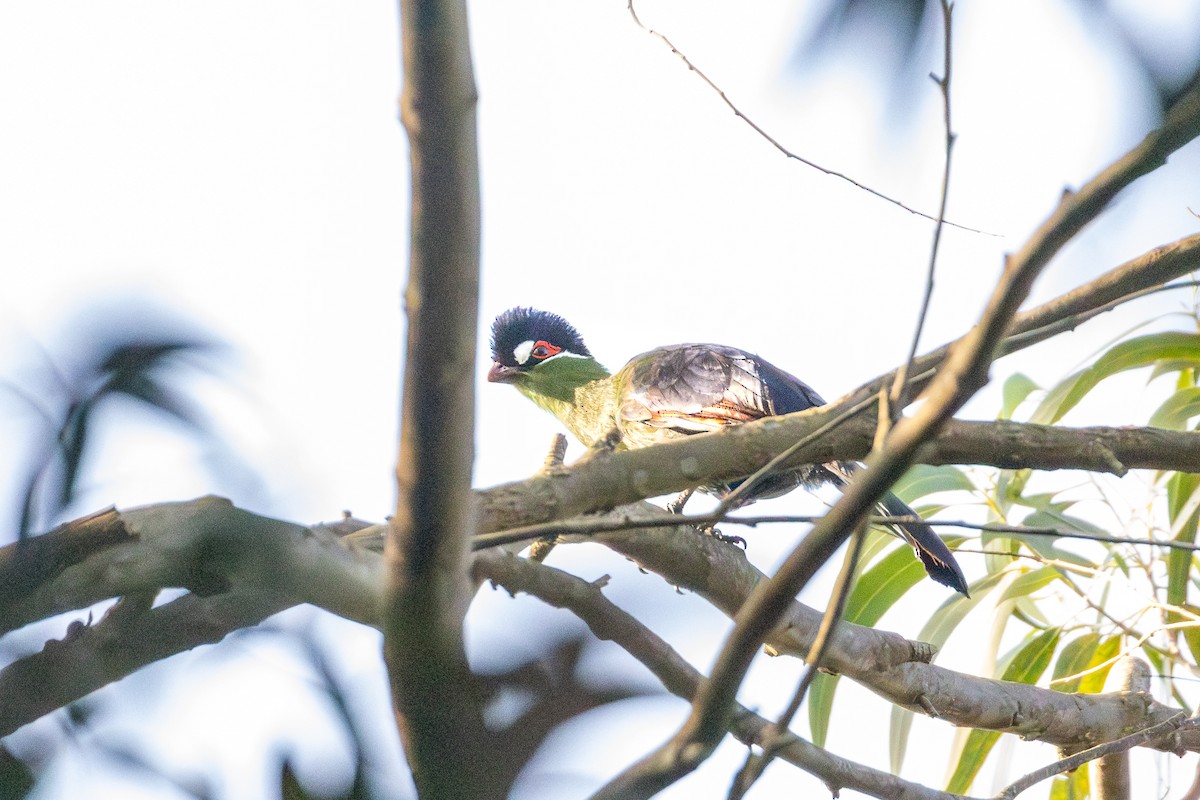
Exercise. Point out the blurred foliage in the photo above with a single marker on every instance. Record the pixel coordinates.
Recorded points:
(129, 352)
(892, 35)
(1073, 605)
(16, 778)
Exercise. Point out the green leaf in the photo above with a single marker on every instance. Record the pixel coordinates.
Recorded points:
(875, 591)
(1030, 582)
(1184, 367)
(1046, 545)
(1177, 409)
(1138, 352)
(1181, 491)
(875, 543)
(882, 585)
(936, 632)
(1016, 389)
(820, 706)
(1071, 786)
(1075, 657)
(1010, 486)
(922, 480)
(1026, 664)
(1183, 511)
(1191, 634)
(1093, 682)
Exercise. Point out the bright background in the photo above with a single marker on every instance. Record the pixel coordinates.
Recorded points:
(239, 168)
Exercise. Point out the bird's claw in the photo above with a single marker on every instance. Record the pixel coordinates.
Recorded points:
(724, 537)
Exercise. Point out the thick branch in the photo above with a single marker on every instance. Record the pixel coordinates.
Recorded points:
(609, 622)
(965, 372)
(600, 484)
(740, 451)
(240, 566)
(93, 656)
(437, 704)
(266, 565)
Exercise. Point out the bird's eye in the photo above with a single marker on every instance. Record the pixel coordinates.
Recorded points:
(543, 350)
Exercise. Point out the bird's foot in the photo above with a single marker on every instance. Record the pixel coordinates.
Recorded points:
(711, 530)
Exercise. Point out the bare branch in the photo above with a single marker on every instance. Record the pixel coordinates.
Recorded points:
(242, 568)
(609, 622)
(532, 508)
(772, 140)
(427, 547)
(277, 564)
(965, 371)
(93, 656)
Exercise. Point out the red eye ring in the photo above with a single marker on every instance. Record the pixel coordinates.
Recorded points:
(543, 350)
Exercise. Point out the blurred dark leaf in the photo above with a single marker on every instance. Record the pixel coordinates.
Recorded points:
(557, 696)
(131, 352)
(894, 35)
(16, 778)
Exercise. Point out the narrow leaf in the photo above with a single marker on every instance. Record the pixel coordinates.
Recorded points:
(922, 480)
(1016, 389)
(1075, 657)
(1031, 581)
(1026, 664)
(1177, 410)
(1093, 682)
(1138, 352)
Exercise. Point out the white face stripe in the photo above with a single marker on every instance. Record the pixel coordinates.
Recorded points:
(522, 351)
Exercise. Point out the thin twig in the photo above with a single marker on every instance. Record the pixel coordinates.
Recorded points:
(778, 734)
(587, 526)
(900, 390)
(775, 142)
(959, 378)
(1178, 722)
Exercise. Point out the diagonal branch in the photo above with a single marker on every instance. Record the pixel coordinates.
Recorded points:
(609, 622)
(965, 372)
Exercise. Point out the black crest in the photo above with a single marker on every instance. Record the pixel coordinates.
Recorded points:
(519, 325)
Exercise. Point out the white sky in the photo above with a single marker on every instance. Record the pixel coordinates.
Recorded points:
(241, 164)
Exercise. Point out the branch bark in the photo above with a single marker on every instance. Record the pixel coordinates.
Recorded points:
(964, 372)
(609, 622)
(267, 565)
(435, 698)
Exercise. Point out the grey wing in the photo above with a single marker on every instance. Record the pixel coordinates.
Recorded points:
(691, 388)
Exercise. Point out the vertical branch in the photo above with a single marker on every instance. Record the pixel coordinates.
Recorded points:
(434, 697)
(1111, 779)
(899, 394)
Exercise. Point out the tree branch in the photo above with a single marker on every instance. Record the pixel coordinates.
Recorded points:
(266, 565)
(964, 372)
(435, 698)
(609, 622)
(241, 567)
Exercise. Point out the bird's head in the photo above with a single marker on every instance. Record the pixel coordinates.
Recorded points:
(539, 351)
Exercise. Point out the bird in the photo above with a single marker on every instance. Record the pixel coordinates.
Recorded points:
(675, 391)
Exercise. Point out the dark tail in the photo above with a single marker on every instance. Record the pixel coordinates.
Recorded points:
(938, 560)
